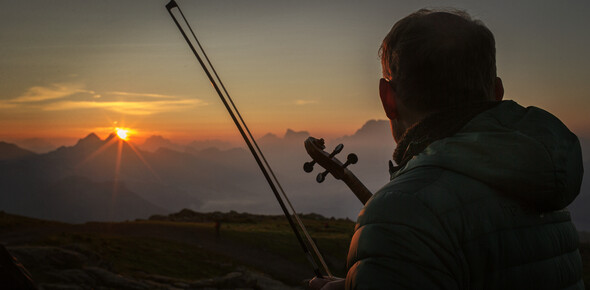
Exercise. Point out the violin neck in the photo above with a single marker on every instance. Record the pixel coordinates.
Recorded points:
(356, 186)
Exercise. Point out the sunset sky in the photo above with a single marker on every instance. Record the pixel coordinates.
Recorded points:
(68, 68)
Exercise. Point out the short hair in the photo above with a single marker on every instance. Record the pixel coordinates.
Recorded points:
(437, 59)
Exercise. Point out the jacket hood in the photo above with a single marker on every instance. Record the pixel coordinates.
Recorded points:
(526, 153)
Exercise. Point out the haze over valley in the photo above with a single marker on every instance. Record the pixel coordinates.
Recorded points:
(111, 179)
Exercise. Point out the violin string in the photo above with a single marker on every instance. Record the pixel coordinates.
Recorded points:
(249, 141)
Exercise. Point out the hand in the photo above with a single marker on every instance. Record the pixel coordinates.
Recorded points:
(326, 283)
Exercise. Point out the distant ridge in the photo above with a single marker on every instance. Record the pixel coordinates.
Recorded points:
(187, 215)
(205, 176)
(37, 145)
(10, 151)
(154, 142)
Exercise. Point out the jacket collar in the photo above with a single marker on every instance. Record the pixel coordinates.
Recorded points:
(436, 126)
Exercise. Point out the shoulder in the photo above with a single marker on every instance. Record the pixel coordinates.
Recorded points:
(400, 231)
(424, 204)
(429, 209)
(426, 191)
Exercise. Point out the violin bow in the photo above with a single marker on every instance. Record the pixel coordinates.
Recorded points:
(250, 141)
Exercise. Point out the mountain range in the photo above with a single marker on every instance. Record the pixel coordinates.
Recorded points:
(113, 180)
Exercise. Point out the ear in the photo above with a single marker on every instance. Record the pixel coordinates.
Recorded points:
(388, 98)
(499, 89)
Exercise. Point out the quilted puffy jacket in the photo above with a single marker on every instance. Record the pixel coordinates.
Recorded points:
(482, 209)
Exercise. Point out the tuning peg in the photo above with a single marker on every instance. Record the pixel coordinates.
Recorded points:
(321, 176)
(337, 150)
(308, 166)
(350, 159)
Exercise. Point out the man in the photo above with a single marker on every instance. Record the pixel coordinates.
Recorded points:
(478, 198)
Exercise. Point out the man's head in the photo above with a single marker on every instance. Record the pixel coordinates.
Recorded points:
(436, 59)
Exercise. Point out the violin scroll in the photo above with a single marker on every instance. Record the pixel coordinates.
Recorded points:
(315, 149)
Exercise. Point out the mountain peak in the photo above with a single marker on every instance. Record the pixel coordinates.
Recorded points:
(88, 140)
(158, 141)
(296, 135)
(154, 142)
(110, 137)
(373, 127)
(269, 138)
(156, 138)
(91, 137)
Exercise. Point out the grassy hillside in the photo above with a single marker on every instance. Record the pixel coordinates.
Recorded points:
(171, 252)
(180, 251)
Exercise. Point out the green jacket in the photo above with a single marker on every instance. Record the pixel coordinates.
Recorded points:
(482, 209)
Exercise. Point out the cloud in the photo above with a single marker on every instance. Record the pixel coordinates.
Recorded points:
(7, 105)
(305, 102)
(52, 92)
(126, 107)
(149, 95)
(62, 97)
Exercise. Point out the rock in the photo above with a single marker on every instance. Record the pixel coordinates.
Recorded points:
(164, 279)
(72, 276)
(60, 287)
(233, 280)
(155, 285)
(67, 269)
(265, 282)
(90, 255)
(48, 257)
(110, 279)
(181, 285)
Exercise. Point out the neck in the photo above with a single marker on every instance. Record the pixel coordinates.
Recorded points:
(406, 119)
(435, 126)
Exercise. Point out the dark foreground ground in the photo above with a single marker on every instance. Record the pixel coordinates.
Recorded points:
(181, 251)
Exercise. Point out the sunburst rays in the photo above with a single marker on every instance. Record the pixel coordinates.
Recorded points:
(120, 137)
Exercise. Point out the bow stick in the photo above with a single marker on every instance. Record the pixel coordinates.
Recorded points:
(250, 141)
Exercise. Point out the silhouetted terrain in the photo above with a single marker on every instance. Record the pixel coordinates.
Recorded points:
(10, 152)
(179, 251)
(112, 180)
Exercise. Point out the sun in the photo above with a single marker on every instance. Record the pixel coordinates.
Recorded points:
(122, 133)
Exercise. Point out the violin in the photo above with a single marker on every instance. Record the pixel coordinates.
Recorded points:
(331, 164)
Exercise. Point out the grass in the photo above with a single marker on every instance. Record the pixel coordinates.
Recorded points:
(136, 256)
(140, 256)
(11, 221)
(332, 238)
